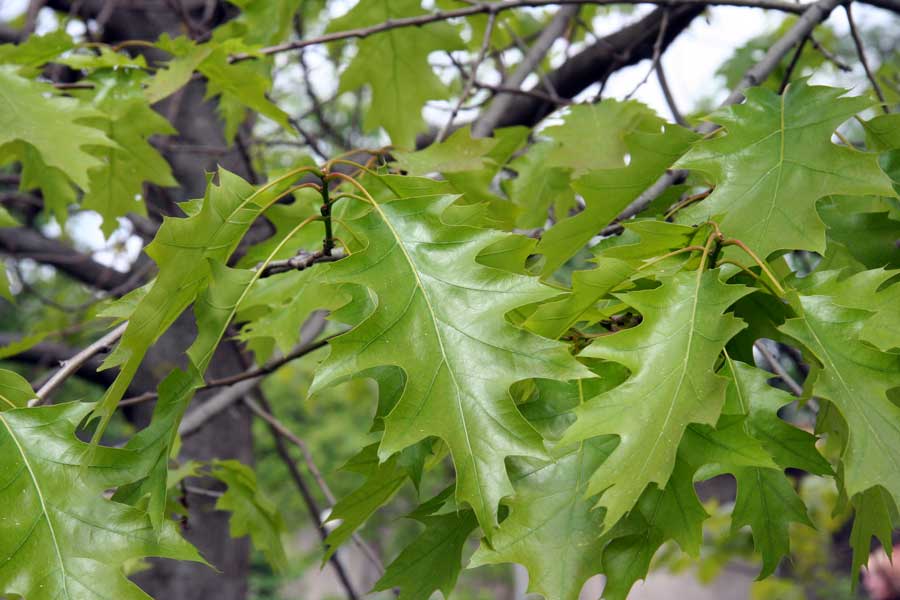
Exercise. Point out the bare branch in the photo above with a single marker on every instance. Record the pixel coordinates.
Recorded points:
(470, 81)
(667, 94)
(861, 51)
(480, 8)
(281, 429)
(22, 242)
(776, 368)
(487, 121)
(808, 21)
(71, 366)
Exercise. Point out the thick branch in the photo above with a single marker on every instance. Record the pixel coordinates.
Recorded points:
(488, 120)
(21, 242)
(481, 8)
(625, 47)
(54, 353)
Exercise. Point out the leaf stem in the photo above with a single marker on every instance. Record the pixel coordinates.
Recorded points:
(756, 259)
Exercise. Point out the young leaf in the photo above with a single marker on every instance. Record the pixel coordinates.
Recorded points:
(251, 512)
(15, 391)
(63, 540)
(671, 355)
(402, 80)
(775, 161)
(433, 560)
(433, 293)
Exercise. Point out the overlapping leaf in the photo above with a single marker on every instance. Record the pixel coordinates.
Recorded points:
(670, 355)
(855, 378)
(431, 292)
(64, 540)
(775, 161)
(404, 80)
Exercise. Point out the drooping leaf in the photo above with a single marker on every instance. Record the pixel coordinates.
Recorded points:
(430, 289)
(670, 355)
(874, 515)
(459, 152)
(433, 560)
(775, 161)
(58, 537)
(383, 481)
(768, 503)
(252, 513)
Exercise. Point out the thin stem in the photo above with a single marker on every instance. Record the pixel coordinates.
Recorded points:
(71, 366)
(657, 53)
(467, 87)
(694, 248)
(779, 370)
(861, 51)
(687, 202)
(756, 259)
(728, 261)
(786, 80)
(254, 373)
(328, 242)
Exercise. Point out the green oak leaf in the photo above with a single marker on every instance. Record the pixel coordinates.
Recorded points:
(874, 515)
(5, 292)
(27, 106)
(115, 188)
(670, 354)
(607, 192)
(241, 85)
(750, 394)
(550, 515)
(553, 319)
(252, 513)
(855, 378)
(538, 187)
(431, 291)
(775, 162)
(863, 225)
(768, 503)
(186, 57)
(383, 481)
(594, 136)
(403, 80)
(183, 249)
(672, 513)
(63, 540)
(36, 51)
(459, 152)
(15, 391)
(433, 560)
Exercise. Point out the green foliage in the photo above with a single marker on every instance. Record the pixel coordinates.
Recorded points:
(566, 392)
(64, 540)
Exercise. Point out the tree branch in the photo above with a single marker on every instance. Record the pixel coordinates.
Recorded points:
(488, 119)
(74, 364)
(481, 8)
(807, 22)
(22, 242)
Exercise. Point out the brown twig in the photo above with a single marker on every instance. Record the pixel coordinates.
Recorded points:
(861, 51)
(470, 81)
(779, 370)
(480, 8)
(71, 366)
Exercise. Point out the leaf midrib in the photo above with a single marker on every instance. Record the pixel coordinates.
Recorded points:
(437, 332)
(40, 495)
